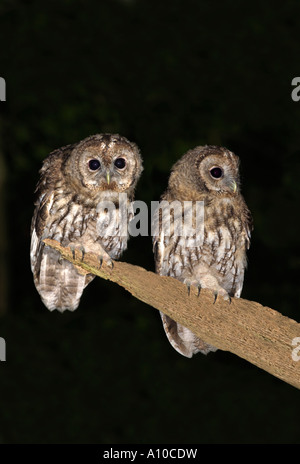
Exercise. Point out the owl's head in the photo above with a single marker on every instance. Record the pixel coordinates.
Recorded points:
(104, 162)
(207, 169)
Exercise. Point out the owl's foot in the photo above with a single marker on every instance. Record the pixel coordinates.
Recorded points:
(97, 249)
(216, 289)
(102, 255)
(206, 280)
(192, 282)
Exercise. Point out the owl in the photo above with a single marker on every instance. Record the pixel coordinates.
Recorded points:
(213, 254)
(78, 203)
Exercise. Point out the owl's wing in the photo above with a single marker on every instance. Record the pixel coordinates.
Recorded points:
(248, 224)
(157, 241)
(157, 254)
(58, 282)
(242, 264)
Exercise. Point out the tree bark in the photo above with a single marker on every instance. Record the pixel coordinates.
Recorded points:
(259, 334)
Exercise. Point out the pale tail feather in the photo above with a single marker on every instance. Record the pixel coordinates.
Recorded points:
(58, 283)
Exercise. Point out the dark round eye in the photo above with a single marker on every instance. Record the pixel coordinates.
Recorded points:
(120, 163)
(216, 172)
(94, 164)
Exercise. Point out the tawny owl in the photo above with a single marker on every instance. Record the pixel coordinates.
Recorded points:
(213, 255)
(78, 203)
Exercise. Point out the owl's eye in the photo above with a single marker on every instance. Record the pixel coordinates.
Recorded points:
(94, 164)
(216, 172)
(120, 163)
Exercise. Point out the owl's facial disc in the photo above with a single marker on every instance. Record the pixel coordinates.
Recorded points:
(110, 169)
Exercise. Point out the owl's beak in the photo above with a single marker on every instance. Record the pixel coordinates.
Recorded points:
(108, 177)
(233, 186)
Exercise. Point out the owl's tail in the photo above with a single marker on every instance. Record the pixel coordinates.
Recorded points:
(59, 284)
(183, 340)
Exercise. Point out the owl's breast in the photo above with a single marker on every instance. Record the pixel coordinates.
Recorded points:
(67, 220)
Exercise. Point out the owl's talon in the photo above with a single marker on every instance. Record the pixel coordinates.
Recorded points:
(188, 289)
(81, 248)
(189, 283)
(223, 294)
(72, 248)
(108, 261)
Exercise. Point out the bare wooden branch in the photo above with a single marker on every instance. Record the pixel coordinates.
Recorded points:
(253, 332)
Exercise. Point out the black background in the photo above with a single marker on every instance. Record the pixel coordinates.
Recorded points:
(168, 75)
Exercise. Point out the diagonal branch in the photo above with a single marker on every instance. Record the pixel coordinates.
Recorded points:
(253, 332)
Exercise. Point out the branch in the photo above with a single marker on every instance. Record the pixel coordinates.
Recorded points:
(253, 332)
